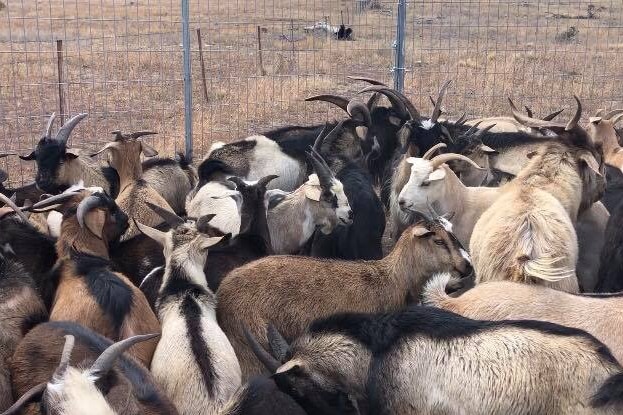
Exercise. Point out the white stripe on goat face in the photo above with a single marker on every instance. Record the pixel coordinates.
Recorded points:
(343, 211)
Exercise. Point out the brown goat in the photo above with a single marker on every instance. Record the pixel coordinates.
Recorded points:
(291, 291)
(602, 130)
(527, 234)
(89, 292)
(125, 157)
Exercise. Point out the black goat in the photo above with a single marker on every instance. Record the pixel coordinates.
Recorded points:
(611, 266)
(261, 396)
(614, 189)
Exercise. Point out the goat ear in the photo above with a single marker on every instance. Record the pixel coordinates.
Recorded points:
(595, 120)
(421, 231)
(361, 131)
(30, 156)
(437, 174)
(289, 366)
(155, 234)
(148, 150)
(313, 193)
(591, 163)
(208, 242)
(486, 149)
(94, 220)
(71, 153)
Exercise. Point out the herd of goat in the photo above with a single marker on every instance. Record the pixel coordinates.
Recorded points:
(264, 280)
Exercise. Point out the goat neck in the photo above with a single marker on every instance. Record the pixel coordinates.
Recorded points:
(553, 170)
(77, 239)
(402, 272)
(85, 169)
(126, 159)
(182, 265)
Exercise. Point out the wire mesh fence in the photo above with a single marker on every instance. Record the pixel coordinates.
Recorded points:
(254, 61)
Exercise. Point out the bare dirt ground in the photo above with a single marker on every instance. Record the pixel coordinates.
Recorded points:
(123, 62)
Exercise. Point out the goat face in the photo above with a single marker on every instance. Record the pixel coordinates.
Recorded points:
(333, 207)
(422, 135)
(424, 186)
(53, 164)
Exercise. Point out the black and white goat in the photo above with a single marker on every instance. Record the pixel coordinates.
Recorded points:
(194, 362)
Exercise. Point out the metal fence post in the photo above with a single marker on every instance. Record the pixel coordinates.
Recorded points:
(188, 93)
(399, 61)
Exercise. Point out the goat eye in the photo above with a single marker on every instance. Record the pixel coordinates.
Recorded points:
(425, 183)
(439, 242)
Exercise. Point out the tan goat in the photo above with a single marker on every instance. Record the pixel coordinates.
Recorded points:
(504, 300)
(602, 130)
(134, 192)
(528, 234)
(293, 291)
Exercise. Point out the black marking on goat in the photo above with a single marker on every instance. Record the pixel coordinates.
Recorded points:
(261, 396)
(179, 286)
(191, 312)
(112, 177)
(611, 261)
(33, 320)
(113, 295)
(380, 332)
(158, 162)
(275, 200)
(600, 295)
(294, 140)
(610, 393)
(208, 168)
(49, 154)
(144, 388)
(498, 140)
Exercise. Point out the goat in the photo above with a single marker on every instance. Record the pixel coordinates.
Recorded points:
(261, 396)
(505, 300)
(125, 152)
(528, 233)
(602, 130)
(21, 309)
(362, 239)
(126, 386)
(194, 362)
(614, 188)
(89, 292)
(217, 197)
(173, 179)
(427, 360)
(611, 270)
(23, 193)
(319, 202)
(292, 291)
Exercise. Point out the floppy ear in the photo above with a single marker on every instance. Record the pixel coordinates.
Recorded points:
(594, 120)
(421, 231)
(94, 220)
(437, 174)
(155, 234)
(30, 156)
(313, 193)
(148, 150)
(590, 161)
(208, 242)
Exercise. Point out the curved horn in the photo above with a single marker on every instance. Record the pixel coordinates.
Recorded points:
(108, 357)
(442, 93)
(139, 134)
(59, 373)
(472, 129)
(532, 122)
(400, 103)
(331, 136)
(528, 111)
(85, 206)
(368, 80)
(320, 139)
(169, 217)
(483, 131)
(611, 114)
(33, 395)
(553, 115)
(262, 355)
(444, 158)
(48, 128)
(13, 206)
(356, 108)
(461, 119)
(333, 99)
(616, 119)
(53, 200)
(576, 117)
(321, 168)
(373, 101)
(263, 182)
(433, 149)
(68, 127)
(3, 155)
(278, 345)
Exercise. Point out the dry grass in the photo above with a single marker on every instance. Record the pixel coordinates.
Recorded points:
(123, 62)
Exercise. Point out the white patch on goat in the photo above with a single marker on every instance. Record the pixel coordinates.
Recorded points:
(308, 227)
(267, 158)
(54, 220)
(427, 124)
(447, 225)
(150, 275)
(214, 146)
(215, 198)
(251, 182)
(343, 207)
(465, 255)
(77, 394)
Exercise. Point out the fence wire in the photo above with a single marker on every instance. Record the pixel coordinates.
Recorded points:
(122, 62)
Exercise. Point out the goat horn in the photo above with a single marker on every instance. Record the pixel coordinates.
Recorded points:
(321, 168)
(333, 99)
(278, 345)
(368, 80)
(9, 202)
(262, 355)
(169, 217)
(576, 118)
(85, 206)
(433, 149)
(444, 158)
(356, 108)
(263, 182)
(3, 155)
(531, 122)
(331, 136)
(320, 139)
(442, 93)
(528, 111)
(53, 200)
(108, 357)
(237, 181)
(472, 129)
(611, 114)
(59, 373)
(616, 119)
(553, 115)
(48, 128)
(68, 127)
(139, 134)
(34, 394)
(400, 103)
(110, 145)
(461, 120)
(483, 131)
(373, 101)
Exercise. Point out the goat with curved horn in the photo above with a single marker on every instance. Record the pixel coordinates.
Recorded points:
(107, 359)
(329, 138)
(433, 150)
(64, 132)
(401, 104)
(553, 115)
(33, 395)
(320, 139)
(442, 93)
(536, 123)
(52, 201)
(85, 206)
(444, 158)
(9, 202)
(360, 112)
(368, 80)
